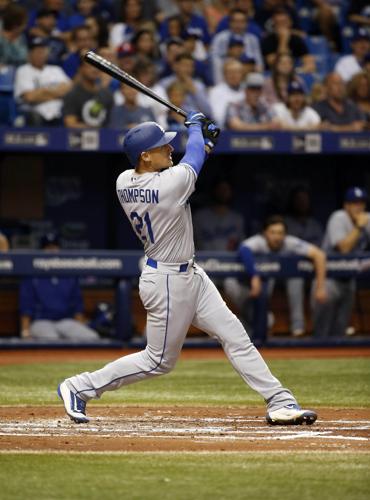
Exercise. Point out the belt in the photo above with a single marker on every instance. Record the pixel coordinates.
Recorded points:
(180, 268)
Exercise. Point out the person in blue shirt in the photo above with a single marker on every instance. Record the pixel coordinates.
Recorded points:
(51, 307)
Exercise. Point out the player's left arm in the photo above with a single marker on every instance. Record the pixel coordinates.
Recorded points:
(318, 258)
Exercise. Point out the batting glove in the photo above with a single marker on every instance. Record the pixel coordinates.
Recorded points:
(210, 133)
(194, 118)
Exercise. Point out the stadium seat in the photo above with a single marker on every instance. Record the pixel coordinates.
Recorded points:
(7, 102)
(319, 48)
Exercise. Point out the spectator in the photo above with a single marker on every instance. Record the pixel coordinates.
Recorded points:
(88, 104)
(358, 90)
(4, 243)
(132, 21)
(130, 113)
(282, 75)
(220, 43)
(98, 29)
(126, 58)
(170, 50)
(265, 13)
(347, 231)
(196, 94)
(296, 114)
(40, 87)
(51, 308)
(189, 19)
(249, 65)
(251, 113)
(82, 41)
(57, 6)
(337, 112)
(214, 12)
(227, 92)
(318, 93)
(176, 94)
(193, 45)
(175, 27)
(13, 46)
(347, 66)
(219, 227)
(283, 40)
(45, 27)
(359, 13)
(246, 6)
(145, 46)
(84, 9)
(274, 240)
(326, 15)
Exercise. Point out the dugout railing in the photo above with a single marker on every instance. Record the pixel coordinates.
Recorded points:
(123, 267)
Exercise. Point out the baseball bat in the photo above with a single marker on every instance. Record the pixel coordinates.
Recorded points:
(117, 73)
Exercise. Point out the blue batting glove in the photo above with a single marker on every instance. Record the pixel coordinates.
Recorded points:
(194, 118)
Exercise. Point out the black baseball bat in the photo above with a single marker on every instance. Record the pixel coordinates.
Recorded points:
(117, 73)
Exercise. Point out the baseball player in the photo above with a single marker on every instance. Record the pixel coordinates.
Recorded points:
(175, 291)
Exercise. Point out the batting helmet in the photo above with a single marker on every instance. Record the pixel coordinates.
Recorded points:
(143, 137)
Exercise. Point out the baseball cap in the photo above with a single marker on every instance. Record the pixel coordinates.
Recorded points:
(37, 41)
(236, 40)
(244, 59)
(143, 137)
(254, 80)
(296, 88)
(192, 33)
(361, 34)
(50, 238)
(46, 13)
(125, 49)
(356, 194)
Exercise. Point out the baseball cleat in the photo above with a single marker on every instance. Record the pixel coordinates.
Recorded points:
(74, 406)
(291, 415)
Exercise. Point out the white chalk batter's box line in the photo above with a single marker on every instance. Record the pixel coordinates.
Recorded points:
(141, 428)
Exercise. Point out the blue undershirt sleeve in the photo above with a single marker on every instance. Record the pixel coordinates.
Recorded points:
(247, 257)
(194, 153)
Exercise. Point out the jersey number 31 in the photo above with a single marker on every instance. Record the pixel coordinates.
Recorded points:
(138, 223)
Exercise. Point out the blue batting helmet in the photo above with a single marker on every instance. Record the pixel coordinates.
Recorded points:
(143, 137)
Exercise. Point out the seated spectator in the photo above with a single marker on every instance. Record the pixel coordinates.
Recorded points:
(193, 45)
(220, 43)
(88, 104)
(326, 14)
(347, 231)
(175, 27)
(13, 45)
(40, 87)
(267, 8)
(347, 66)
(196, 94)
(189, 18)
(282, 75)
(227, 92)
(318, 93)
(283, 40)
(4, 243)
(336, 111)
(359, 13)
(106, 80)
(214, 12)
(132, 21)
(176, 94)
(81, 41)
(249, 65)
(130, 113)
(59, 7)
(251, 113)
(145, 46)
(84, 9)
(218, 227)
(296, 114)
(274, 240)
(126, 58)
(358, 90)
(51, 308)
(46, 27)
(99, 30)
(170, 50)
(246, 6)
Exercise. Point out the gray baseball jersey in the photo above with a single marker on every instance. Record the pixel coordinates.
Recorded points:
(339, 226)
(145, 198)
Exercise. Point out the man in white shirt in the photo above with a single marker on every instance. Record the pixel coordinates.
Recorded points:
(227, 92)
(295, 114)
(349, 65)
(40, 87)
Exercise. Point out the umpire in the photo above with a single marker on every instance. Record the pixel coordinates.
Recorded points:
(347, 231)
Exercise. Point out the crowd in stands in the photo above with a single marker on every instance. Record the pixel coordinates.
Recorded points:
(247, 64)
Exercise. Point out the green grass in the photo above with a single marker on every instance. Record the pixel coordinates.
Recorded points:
(189, 476)
(315, 382)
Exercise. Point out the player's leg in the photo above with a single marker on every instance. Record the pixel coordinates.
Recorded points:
(71, 329)
(295, 293)
(323, 314)
(42, 329)
(214, 317)
(347, 291)
(170, 306)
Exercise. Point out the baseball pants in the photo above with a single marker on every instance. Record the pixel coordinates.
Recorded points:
(174, 300)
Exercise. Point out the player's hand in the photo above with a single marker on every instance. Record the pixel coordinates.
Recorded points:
(256, 287)
(361, 219)
(194, 118)
(321, 295)
(210, 133)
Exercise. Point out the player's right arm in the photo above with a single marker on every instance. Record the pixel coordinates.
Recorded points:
(194, 152)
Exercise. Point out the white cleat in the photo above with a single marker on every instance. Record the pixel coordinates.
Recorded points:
(291, 415)
(75, 407)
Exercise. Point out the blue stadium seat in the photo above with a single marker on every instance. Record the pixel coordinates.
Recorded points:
(7, 102)
(318, 46)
